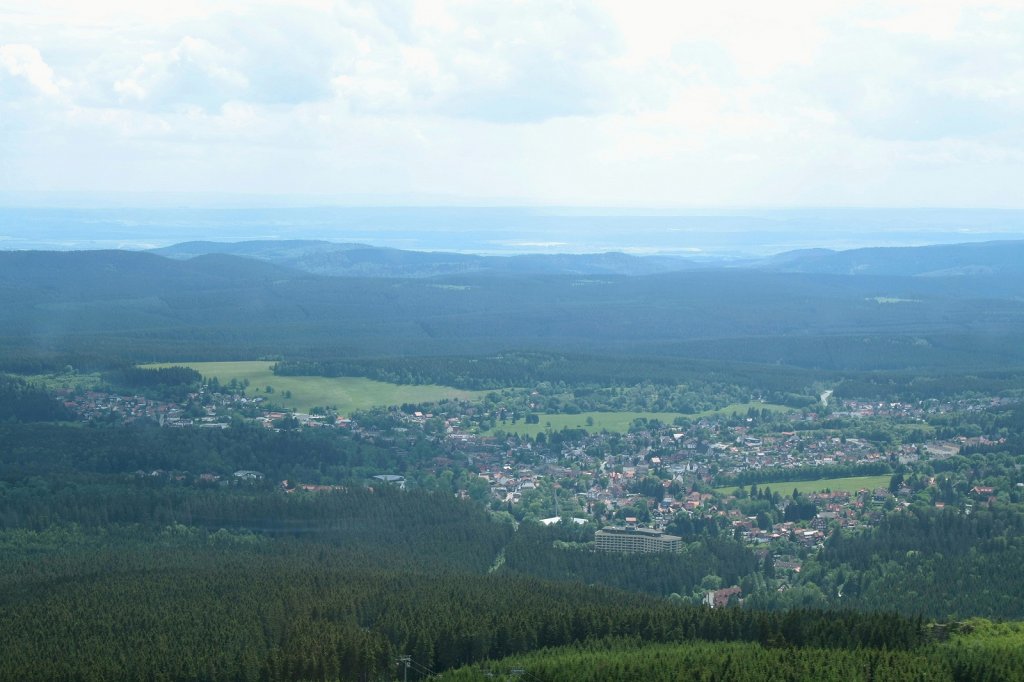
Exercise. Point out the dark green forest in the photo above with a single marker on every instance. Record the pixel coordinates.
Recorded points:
(149, 575)
(21, 401)
(51, 450)
(538, 550)
(186, 579)
(911, 559)
(136, 551)
(983, 652)
(93, 307)
(327, 586)
(519, 369)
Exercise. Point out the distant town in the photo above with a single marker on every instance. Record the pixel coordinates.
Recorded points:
(641, 479)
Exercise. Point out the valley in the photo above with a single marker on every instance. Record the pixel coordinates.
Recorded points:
(800, 478)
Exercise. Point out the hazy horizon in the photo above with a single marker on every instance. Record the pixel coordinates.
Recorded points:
(718, 131)
(507, 230)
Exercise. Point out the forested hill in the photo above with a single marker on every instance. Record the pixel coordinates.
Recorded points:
(119, 275)
(362, 260)
(1004, 258)
(140, 306)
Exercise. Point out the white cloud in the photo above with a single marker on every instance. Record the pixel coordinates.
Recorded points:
(935, 20)
(510, 62)
(662, 102)
(192, 72)
(25, 61)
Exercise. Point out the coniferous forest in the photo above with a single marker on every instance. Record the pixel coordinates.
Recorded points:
(477, 340)
(120, 563)
(156, 523)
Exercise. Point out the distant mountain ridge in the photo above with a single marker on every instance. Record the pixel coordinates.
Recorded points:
(995, 258)
(146, 307)
(941, 260)
(362, 260)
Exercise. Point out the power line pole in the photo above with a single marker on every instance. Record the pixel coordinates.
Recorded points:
(407, 660)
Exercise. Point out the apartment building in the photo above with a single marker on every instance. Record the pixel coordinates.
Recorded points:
(635, 540)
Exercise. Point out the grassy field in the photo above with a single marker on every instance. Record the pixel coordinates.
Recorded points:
(55, 382)
(851, 484)
(620, 421)
(346, 394)
(607, 421)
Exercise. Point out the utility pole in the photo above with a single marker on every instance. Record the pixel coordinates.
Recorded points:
(407, 660)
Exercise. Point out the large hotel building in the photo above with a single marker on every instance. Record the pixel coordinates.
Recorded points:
(636, 540)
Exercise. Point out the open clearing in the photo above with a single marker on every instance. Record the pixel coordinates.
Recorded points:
(607, 421)
(620, 421)
(56, 382)
(346, 394)
(851, 484)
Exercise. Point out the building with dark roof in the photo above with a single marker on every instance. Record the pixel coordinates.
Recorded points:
(636, 540)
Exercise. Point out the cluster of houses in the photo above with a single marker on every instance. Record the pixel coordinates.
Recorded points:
(206, 410)
(90, 405)
(600, 473)
(787, 450)
(202, 409)
(914, 410)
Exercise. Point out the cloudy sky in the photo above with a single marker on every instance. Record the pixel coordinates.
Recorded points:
(678, 103)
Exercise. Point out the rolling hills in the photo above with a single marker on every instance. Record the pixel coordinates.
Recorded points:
(219, 306)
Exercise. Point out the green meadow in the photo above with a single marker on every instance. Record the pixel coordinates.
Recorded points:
(72, 379)
(346, 394)
(598, 421)
(619, 421)
(851, 484)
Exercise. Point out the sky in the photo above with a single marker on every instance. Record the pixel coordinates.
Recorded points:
(517, 102)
